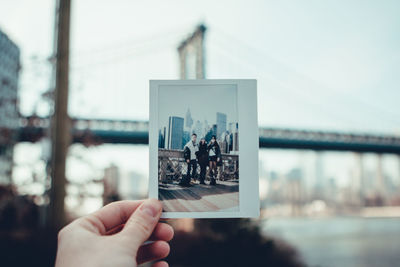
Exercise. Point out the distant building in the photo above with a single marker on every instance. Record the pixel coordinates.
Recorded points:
(161, 138)
(110, 184)
(231, 126)
(9, 76)
(234, 136)
(225, 142)
(206, 127)
(319, 183)
(331, 191)
(198, 129)
(221, 124)
(175, 133)
(212, 131)
(188, 120)
(294, 190)
(185, 137)
(295, 174)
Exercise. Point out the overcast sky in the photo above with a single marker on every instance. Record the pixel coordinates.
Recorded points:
(319, 64)
(203, 101)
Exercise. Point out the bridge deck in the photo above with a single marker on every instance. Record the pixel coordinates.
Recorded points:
(222, 197)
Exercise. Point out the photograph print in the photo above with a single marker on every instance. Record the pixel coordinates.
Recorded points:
(203, 137)
(198, 148)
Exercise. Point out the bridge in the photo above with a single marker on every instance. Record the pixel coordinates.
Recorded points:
(99, 131)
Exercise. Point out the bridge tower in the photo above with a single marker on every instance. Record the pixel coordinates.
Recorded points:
(192, 55)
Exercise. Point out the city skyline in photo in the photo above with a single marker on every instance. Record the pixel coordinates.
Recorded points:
(178, 131)
(205, 110)
(203, 102)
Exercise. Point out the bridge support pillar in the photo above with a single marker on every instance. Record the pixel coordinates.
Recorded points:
(357, 186)
(381, 182)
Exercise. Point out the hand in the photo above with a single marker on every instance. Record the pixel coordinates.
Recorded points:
(218, 159)
(114, 236)
(188, 161)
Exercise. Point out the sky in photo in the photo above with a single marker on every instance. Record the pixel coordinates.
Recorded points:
(203, 101)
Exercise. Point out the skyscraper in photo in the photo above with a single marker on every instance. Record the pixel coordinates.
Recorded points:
(188, 120)
(206, 127)
(212, 131)
(235, 137)
(161, 138)
(221, 124)
(175, 133)
(185, 137)
(198, 129)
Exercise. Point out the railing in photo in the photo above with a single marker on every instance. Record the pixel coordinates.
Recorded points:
(172, 166)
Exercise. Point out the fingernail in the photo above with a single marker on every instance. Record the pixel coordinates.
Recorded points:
(149, 208)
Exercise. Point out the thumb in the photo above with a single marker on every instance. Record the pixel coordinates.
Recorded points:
(142, 222)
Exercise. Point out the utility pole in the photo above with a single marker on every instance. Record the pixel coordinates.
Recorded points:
(60, 132)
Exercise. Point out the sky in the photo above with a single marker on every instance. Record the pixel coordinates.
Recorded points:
(203, 101)
(322, 65)
(340, 58)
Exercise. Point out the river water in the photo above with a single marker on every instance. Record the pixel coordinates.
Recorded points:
(341, 241)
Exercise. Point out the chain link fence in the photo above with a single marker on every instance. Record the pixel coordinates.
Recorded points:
(172, 167)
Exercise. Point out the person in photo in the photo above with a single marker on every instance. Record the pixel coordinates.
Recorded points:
(214, 157)
(189, 152)
(202, 157)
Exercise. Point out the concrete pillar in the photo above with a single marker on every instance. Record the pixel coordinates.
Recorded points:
(381, 183)
(357, 183)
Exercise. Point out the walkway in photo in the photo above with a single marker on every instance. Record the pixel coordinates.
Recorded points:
(222, 197)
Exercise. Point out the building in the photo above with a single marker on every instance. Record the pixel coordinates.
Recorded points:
(161, 138)
(221, 124)
(9, 75)
(294, 190)
(185, 137)
(319, 182)
(234, 136)
(110, 184)
(206, 127)
(212, 131)
(175, 133)
(188, 120)
(198, 129)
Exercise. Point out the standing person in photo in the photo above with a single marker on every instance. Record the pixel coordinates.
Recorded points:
(202, 157)
(189, 152)
(214, 157)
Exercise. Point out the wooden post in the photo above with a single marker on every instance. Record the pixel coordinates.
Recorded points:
(60, 134)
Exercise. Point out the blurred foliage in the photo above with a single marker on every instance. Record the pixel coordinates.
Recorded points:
(230, 242)
(23, 242)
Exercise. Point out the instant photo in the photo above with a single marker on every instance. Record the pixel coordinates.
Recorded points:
(204, 148)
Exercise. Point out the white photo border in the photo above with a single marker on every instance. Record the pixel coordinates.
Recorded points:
(249, 203)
